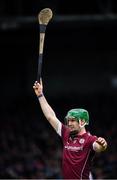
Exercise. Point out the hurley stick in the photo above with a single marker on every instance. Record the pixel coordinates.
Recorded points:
(43, 18)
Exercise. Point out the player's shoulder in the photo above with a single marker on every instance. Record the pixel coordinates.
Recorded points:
(91, 137)
(90, 134)
(65, 130)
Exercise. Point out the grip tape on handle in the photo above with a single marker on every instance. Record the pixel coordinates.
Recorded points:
(42, 28)
(39, 67)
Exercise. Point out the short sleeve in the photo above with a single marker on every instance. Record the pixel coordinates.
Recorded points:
(63, 131)
(92, 140)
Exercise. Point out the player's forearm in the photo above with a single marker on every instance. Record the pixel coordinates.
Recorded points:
(46, 108)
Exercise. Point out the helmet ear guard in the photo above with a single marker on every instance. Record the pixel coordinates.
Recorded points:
(78, 115)
(80, 123)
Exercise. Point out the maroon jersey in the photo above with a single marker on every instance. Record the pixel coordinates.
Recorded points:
(77, 154)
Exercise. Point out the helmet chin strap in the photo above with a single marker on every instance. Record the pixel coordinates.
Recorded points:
(80, 124)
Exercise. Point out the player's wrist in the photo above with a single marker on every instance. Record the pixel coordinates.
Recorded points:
(40, 95)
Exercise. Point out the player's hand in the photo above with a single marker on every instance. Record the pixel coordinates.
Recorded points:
(101, 141)
(38, 88)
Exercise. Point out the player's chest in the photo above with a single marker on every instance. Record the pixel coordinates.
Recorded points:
(75, 145)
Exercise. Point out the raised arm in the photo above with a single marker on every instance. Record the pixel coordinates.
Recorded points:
(46, 108)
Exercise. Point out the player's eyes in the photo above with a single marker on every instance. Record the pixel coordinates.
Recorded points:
(71, 120)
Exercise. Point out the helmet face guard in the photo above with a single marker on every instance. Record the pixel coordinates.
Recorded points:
(78, 114)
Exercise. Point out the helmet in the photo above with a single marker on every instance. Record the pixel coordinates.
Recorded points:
(78, 114)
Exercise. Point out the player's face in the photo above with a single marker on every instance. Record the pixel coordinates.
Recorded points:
(73, 125)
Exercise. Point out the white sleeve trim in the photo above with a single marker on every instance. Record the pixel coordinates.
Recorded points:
(94, 146)
(59, 128)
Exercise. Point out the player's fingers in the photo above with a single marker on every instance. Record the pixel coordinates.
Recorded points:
(34, 87)
(36, 84)
(105, 144)
(101, 141)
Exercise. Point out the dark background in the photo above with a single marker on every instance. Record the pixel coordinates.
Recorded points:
(79, 70)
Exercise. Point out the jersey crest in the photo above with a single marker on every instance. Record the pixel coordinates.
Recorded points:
(81, 141)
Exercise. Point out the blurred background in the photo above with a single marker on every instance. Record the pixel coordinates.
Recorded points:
(79, 70)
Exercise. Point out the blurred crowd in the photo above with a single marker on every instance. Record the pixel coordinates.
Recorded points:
(28, 149)
(31, 149)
